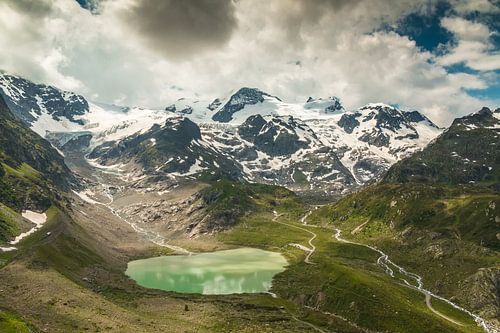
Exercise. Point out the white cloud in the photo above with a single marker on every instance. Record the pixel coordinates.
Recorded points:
(468, 6)
(465, 29)
(335, 43)
(473, 45)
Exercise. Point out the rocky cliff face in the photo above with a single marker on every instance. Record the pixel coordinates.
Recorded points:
(173, 150)
(30, 102)
(470, 147)
(481, 293)
(278, 136)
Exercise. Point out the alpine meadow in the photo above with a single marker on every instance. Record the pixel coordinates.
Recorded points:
(220, 166)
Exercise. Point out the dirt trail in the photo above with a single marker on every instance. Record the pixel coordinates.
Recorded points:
(312, 247)
(385, 262)
(358, 228)
(428, 299)
(303, 220)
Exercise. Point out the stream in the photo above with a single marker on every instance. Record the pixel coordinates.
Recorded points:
(386, 263)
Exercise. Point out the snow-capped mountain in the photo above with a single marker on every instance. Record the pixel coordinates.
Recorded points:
(39, 105)
(469, 147)
(282, 150)
(369, 140)
(328, 105)
(250, 134)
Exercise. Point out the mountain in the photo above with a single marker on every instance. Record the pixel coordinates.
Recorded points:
(32, 173)
(313, 147)
(37, 104)
(470, 148)
(173, 150)
(328, 105)
(369, 140)
(158, 182)
(283, 150)
(437, 212)
(241, 99)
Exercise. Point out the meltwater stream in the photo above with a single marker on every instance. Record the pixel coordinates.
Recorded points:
(385, 262)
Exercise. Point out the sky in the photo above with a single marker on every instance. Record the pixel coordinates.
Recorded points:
(441, 57)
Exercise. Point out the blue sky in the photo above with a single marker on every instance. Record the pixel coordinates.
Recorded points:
(426, 30)
(425, 27)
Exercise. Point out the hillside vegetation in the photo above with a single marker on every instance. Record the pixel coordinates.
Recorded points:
(32, 172)
(437, 213)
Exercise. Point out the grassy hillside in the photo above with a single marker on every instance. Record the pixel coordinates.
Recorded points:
(445, 233)
(12, 324)
(437, 213)
(343, 289)
(32, 173)
(69, 277)
(73, 277)
(228, 201)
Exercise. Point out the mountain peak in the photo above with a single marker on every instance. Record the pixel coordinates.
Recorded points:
(379, 107)
(466, 153)
(481, 118)
(243, 97)
(28, 101)
(330, 104)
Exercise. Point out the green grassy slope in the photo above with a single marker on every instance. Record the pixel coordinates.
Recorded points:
(32, 173)
(437, 213)
(343, 280)
(228, 201)
(12, 324)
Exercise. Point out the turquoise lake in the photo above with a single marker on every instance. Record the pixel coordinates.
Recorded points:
(244, 270)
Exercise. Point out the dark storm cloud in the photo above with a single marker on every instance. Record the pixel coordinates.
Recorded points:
(314, 9)
(36, 9)
(180, 28)
(295, 15)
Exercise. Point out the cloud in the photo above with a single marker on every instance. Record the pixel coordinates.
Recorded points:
(151, 52)
(465, 29)
(473, 48)
(35, 9)
(181, 28)
(481, 6)
(26, 41)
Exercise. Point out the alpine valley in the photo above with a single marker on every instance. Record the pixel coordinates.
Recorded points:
(387, 222)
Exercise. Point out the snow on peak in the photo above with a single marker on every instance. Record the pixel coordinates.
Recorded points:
(327, 105)
(377, 106)
(238, 101)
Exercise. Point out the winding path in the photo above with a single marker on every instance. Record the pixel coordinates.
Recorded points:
(428, 299)
(385, 262)
(312, 247)
(307, 261)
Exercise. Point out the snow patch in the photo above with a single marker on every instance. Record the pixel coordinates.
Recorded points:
(37, 218)
(84, 195)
